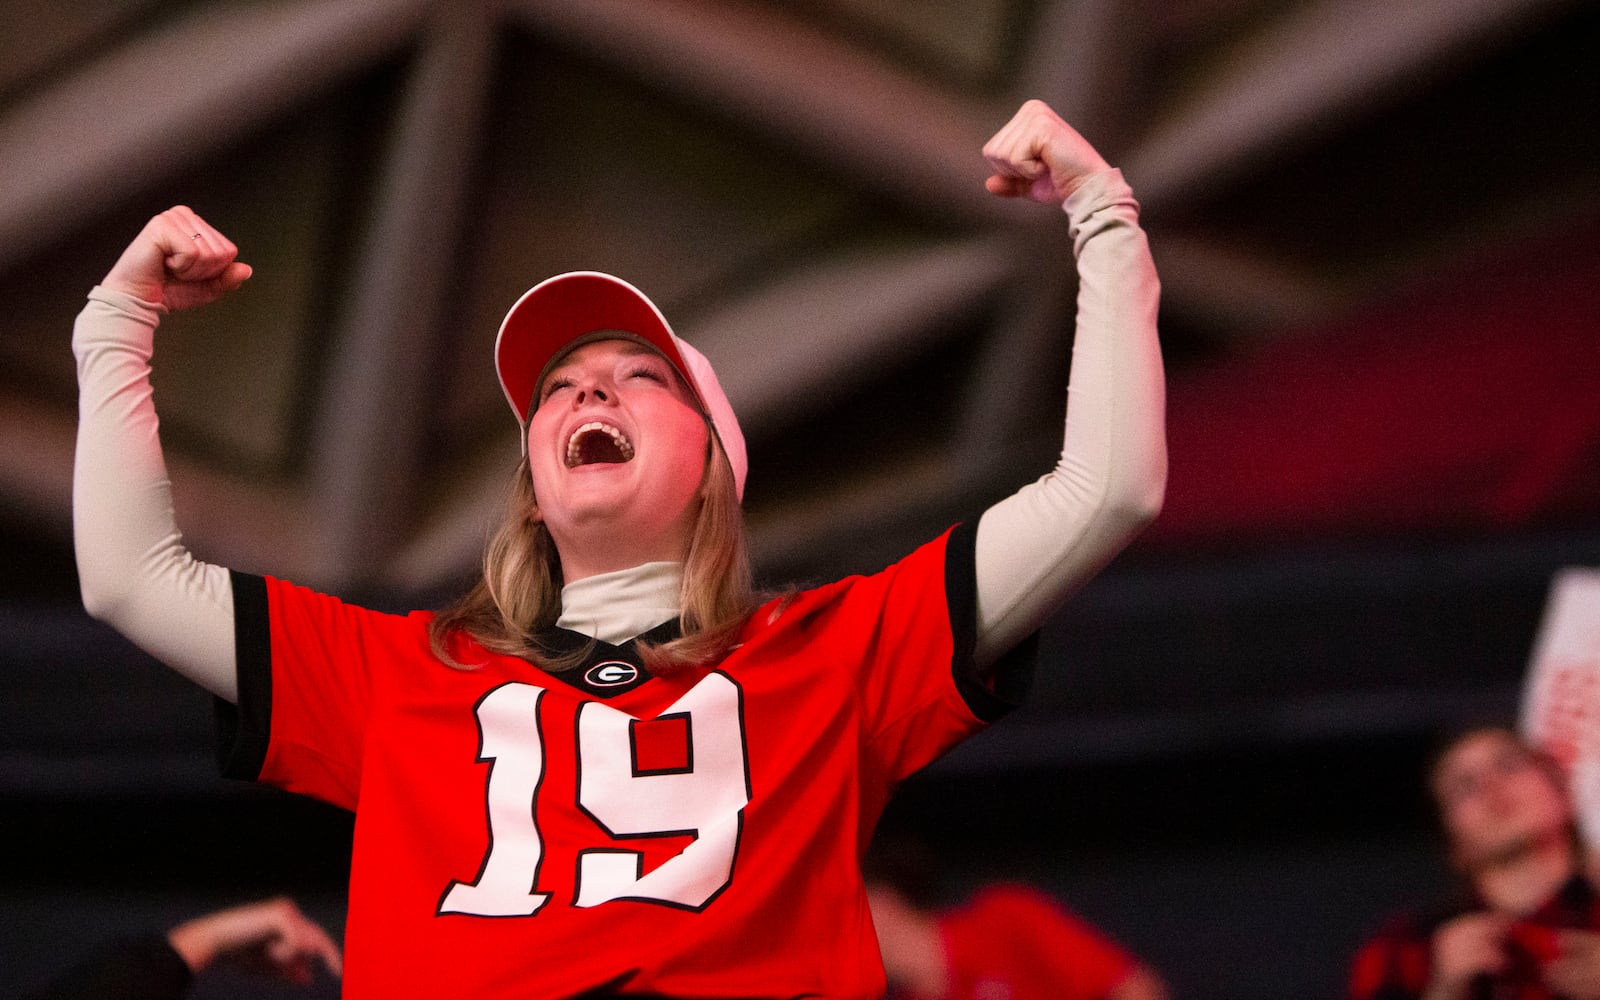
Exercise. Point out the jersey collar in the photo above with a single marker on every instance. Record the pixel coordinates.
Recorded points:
(606, 670)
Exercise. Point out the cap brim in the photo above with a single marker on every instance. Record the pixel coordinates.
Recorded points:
(558, 311)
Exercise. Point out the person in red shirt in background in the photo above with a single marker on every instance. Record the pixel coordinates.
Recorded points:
(1528, 925)
(1005, 941)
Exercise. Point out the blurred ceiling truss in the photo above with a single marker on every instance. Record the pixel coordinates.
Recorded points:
(124, 106)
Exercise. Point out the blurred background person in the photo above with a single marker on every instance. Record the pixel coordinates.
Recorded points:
(1526, 925)
(1004, 941)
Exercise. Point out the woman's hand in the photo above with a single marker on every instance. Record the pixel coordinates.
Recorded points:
(1037, 155)
(179, 261)
(1576, 971)
(1463, 949)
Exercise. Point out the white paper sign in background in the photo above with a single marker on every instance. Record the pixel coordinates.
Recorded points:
(1561, 695)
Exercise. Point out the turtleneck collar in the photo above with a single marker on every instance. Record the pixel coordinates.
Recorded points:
(615, 607)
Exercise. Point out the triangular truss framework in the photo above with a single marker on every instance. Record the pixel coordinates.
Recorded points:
(369, 490)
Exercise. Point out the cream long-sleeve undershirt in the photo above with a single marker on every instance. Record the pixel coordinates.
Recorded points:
(1033, 548)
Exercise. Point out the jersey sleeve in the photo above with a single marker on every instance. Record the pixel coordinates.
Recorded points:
(907, 635)
(309, 670)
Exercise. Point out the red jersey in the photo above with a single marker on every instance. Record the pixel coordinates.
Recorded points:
(525, 834)
(1010, 942)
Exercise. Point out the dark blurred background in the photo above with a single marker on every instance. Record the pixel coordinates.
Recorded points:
(1376, 227)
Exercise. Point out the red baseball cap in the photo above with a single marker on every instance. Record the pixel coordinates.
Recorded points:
(560, 312)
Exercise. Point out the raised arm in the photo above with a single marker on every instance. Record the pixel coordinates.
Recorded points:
(133, 569)
(1037, 546)
(272, 936)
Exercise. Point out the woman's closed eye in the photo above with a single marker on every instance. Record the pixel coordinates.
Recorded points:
(555, 384)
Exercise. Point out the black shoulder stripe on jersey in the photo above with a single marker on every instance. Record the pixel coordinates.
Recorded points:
(243, 729)
(989, 693)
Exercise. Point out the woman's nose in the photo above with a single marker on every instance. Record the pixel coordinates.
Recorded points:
(594, 390)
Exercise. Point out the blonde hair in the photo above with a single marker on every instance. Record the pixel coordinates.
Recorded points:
(518, 597)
